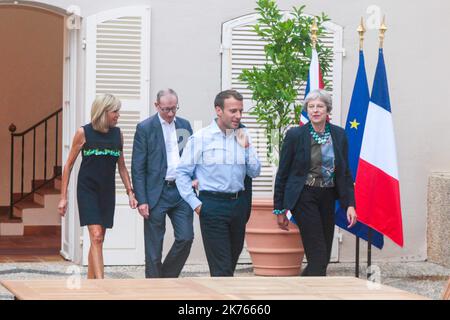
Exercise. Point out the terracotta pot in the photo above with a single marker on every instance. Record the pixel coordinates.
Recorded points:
(274, 252)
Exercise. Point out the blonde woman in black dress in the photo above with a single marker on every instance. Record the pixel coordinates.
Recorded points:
(101, 144)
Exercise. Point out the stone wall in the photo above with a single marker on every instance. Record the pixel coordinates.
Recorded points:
(438, 220)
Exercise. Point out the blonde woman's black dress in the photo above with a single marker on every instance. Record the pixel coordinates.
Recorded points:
(96, 189)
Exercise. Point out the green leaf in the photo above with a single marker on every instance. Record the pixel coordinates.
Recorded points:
(288, 54)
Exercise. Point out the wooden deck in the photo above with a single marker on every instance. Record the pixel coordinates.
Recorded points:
(207, 288)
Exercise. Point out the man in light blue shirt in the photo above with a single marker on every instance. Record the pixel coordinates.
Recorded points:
(219, 157)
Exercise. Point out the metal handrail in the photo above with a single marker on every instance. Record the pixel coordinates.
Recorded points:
(36, 125)
(34, 188)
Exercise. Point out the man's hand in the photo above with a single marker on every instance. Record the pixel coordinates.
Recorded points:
(242, 138)
(198, 210)
(144, 210)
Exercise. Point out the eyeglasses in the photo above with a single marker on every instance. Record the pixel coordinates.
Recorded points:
(167, 110)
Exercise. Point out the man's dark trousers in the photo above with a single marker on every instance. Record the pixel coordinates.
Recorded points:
(181, 216)
(222, 223)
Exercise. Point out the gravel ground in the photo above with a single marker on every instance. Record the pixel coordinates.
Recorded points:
(422, 278)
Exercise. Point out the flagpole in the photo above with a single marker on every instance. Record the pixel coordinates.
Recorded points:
(361, 30)
(314, 30)
(314, 67)
(357, 257)
(369, 251)
(382, 30)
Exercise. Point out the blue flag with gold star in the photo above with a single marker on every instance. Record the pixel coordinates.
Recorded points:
(354, 128)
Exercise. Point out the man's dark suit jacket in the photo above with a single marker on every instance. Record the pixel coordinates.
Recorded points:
(295, 163)
(149, 160)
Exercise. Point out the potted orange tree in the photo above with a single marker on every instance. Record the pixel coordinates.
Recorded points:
(275, 92)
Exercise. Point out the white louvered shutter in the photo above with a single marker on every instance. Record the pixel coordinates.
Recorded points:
(242, 48)
(117, 62)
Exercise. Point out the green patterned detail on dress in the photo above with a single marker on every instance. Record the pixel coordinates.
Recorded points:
(99, 152)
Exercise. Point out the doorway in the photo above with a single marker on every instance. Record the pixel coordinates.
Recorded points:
(32, 68)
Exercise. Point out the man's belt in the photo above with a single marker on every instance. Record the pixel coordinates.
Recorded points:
(222, 195)
(170, 183)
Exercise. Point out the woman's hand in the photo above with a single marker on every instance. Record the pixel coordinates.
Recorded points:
(62, 207)
(351, 216)
(283, 221)
(132, 201)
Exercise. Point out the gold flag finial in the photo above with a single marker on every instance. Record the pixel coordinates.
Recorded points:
(361, 30)
(382, 29)
(314, 30)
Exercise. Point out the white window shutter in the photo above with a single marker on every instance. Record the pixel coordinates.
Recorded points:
(243, 49)
(118, 62)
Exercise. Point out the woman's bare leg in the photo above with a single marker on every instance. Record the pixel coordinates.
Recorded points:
(97, 236)
(90, 274)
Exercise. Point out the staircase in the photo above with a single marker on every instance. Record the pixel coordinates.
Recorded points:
(34, 211)
(36, 214)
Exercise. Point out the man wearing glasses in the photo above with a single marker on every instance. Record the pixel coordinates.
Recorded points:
(157, 148)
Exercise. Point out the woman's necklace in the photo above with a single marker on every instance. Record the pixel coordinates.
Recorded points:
(320, 138)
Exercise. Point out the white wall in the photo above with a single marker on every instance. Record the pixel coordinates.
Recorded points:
(185, 55)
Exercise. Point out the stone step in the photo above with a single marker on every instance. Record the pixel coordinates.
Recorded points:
(36, 212)
(18, 196)
(45, 194)
(25, 205)
(38, 183)
(31, 217)
(40, 216)
(53, 187)
(11, 228)
(41, 213)
(42, 231)
(57, 183)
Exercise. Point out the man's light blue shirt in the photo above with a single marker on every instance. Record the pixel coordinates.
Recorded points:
(218, 162)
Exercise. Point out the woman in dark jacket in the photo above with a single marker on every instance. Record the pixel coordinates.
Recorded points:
(312, 174)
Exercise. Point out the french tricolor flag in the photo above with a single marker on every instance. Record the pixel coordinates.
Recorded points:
(314, 82)
(377, 190)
